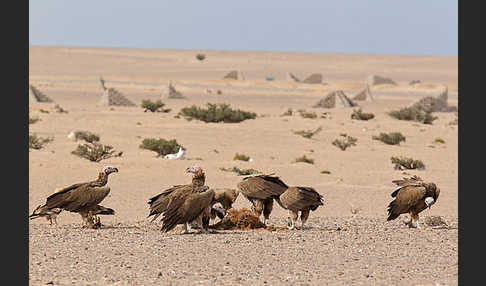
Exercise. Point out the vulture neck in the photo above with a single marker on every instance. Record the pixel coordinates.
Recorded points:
(198, 179)
(101, 181)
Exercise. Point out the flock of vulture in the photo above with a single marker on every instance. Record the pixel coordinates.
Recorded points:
(194, 205)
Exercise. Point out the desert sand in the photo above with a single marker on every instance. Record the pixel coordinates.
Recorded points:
(348, 241)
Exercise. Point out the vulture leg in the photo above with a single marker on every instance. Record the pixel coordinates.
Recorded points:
(413, 220)
(55, 220)
(267, 209)
(200, 222)
(295, 215)
(289, 221)
(304, 215)
(185, 228)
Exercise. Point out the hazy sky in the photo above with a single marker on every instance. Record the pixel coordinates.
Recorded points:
(416, 27)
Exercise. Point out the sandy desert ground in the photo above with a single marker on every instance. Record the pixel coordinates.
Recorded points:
(340, 248)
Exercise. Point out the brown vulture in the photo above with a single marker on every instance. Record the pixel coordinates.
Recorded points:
(188, 206)
(303, 199)
(49, 214)
(158, 204)
(412, 196)
(225, 198)
(260, 190)
(82, 198)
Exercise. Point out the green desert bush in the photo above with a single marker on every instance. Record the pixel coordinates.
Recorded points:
(152, 106)
(308, 133)
(439, 140)
(161, 146)
(304, 159)
(414, 113)
(216, 113)
(37, 143)
(241, 172)
(392, 138)
(86, 136)
(345, 142)
(95, 152)
(360, 115)
(407, 163)
(326, 172)
(241, 157)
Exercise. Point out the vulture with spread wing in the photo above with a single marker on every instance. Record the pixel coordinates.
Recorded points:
(158, 204)
(82, 198)
(260, 190)
(303, 199)
(412, 196)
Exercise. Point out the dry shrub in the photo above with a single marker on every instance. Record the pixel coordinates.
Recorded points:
(201, 57)
(33, 120)
(326, 172)
(304, 159)
(86, 136)
(241, 172)
(360, 115)
(154, 106)
(38, 142)
(216, 113)
(345, 142)
(414, 113)
(435, 221)
(305, 114)
(439, 140)
(289, 112)
(308, 133)
(241, 157)
(95, 152)
(161, 146)
(242, 219)
(407, 163)
(393, 138)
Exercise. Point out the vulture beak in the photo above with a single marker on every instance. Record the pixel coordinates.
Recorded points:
(219, 208)
(429, 201)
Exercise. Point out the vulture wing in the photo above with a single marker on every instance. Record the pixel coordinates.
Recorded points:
(405, 198)
(186, 207)
(159, 203)
(78, 198)
(298, 198)
(262, 187)
(101, 210)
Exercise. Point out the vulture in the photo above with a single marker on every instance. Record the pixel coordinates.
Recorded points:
(225, 199)
(303, 199)
(82, 198)
(49, 214)
(412, 196)
(158, 203)
(260, 190)
(188, 206)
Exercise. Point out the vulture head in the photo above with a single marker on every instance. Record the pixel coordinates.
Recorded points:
(109, 169)
(194, 169)
(218, 207)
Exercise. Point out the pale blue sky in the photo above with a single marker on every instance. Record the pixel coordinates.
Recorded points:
(416, 27)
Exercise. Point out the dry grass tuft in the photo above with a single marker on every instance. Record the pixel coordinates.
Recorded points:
(304, 159)
(308, 133)
(393, 138)
(360, 115)
(345, 142)
(403, 163)
(241, 172)
(241, 157)
(95, 152)
(38, 143)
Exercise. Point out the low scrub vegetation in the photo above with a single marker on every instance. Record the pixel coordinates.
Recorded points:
(402, 163)
(95, 152)
(308, 133)
(393, 138)
(345, 142)
(36, 142)
(152, 106)
(241, 157)
(306, 114)
(289, 112)
(161, 146)
(304, 159)
(33, 120)
(216, 113)
(439, 140)
(201, 57)
(59, 109)
(86, 136)
(414, 113)
(240, 172)
(360, 115)
(326, 172)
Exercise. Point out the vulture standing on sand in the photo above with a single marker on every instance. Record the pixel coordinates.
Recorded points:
(260, 190)
(50, 215)
(82, 198)
(412, 196)
(303, 199)
(158, 204)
